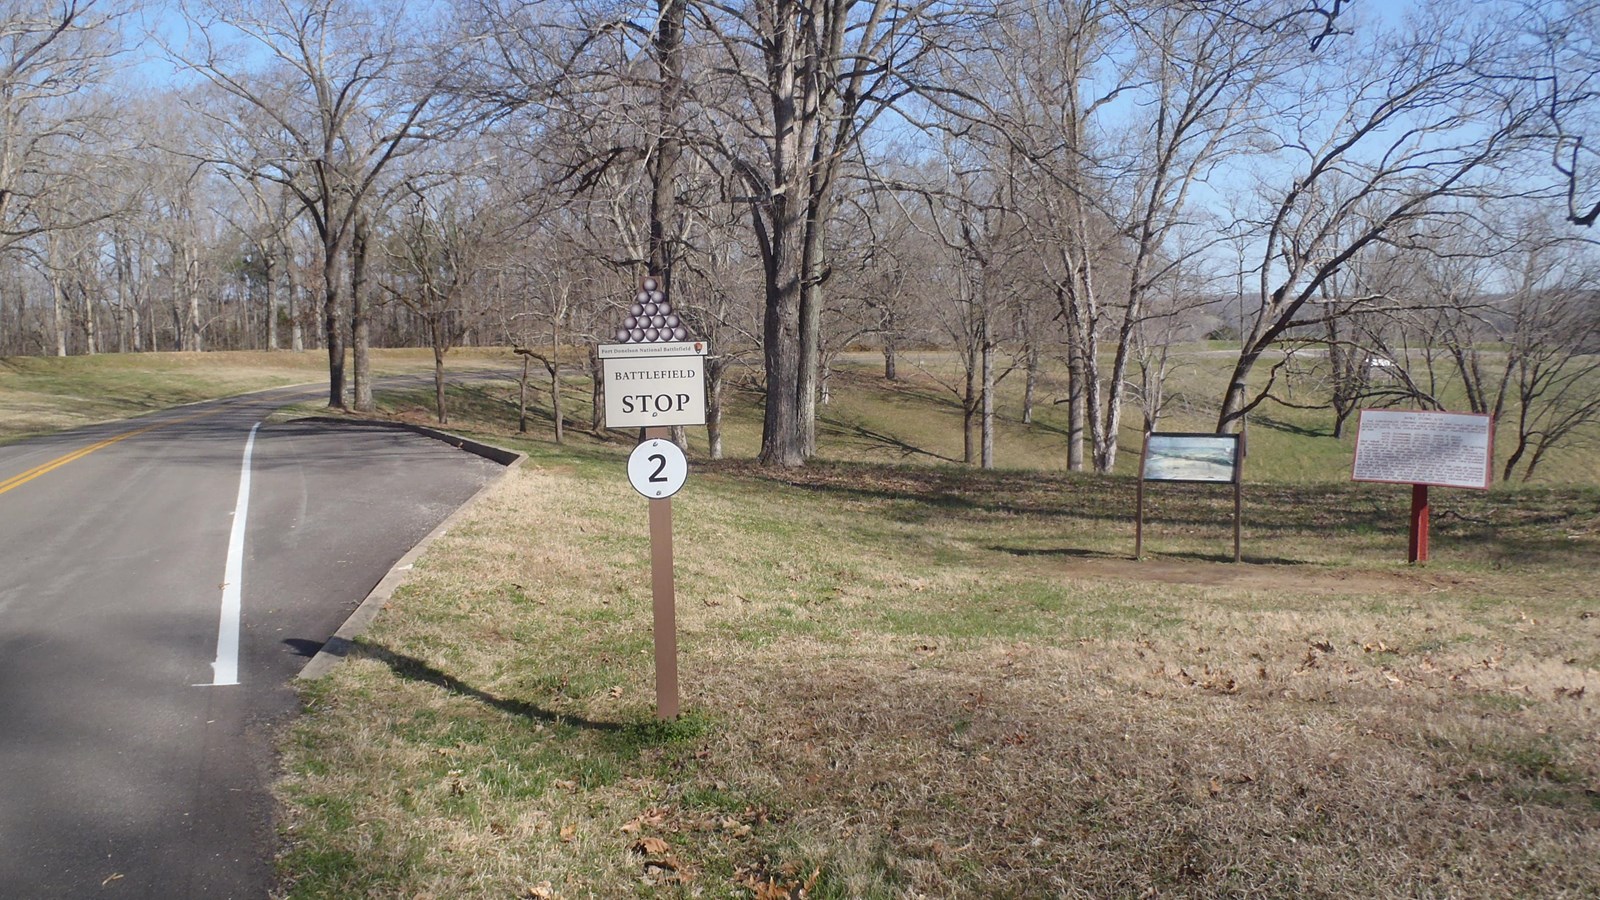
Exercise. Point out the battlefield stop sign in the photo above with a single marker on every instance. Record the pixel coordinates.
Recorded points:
(650, 385)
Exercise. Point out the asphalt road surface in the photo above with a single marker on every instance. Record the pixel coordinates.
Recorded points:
(137, 711)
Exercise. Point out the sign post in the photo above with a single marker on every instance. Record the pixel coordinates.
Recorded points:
(655, 379)
(1423, 448)
(663, 592)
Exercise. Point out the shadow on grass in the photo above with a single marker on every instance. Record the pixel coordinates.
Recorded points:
(1071, 552)
(887, 441)
(1081, 553)
(1288, 427)
(413, 669)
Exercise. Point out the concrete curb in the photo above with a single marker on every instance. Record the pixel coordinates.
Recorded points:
(338, 646)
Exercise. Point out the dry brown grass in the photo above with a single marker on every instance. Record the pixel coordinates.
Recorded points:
(908, 683)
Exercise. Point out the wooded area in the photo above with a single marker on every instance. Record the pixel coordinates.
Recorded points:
(1398, 205)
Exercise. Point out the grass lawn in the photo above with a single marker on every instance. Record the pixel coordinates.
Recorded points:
(44, 394)
(906, 678)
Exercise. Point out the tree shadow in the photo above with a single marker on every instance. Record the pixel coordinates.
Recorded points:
(413, 669)
(1059, 552)
(888, 441)
(1081, 553)
(1288, 427)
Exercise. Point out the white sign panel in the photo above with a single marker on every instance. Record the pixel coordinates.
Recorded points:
(657, 469)
(643, 392)
(1422, 447)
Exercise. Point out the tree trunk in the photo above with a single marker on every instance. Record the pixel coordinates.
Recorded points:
(780, 444)
(360, 325)
(1029, 387)
(809, 383)
(987, 450)
(438, 384)
(332, 318)
(716, 368)
(970, 405)
(889, 373)
(824, 380)
(1077, 406)
(663, 164)
(270, 284)
(1233, 400)
(58, 309)
(522, 397)
(555, 396)
(297, 338)
(597, 393)
(191, 285)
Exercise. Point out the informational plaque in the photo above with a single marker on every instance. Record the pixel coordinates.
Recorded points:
(1423, 447)
(1191, 457)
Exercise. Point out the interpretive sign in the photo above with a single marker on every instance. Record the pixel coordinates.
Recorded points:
(659, 389)
(1191, 457)
(1423, 447)
(1202, 458)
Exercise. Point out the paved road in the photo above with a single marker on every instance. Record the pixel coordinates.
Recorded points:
(129, 766)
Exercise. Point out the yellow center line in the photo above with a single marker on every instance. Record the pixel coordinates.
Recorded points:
(17, 481)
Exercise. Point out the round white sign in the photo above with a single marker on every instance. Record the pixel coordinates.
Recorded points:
(657, 468)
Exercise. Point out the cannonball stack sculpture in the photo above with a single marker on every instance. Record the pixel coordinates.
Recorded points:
(650, 319)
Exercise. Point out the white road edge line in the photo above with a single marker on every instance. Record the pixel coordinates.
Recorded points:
(225, 670)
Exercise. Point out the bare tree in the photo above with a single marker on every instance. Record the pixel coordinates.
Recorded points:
(1388, 135)
(52, 57)
(324, 115)
(800, 81)
(1560, 61)
(442, 247)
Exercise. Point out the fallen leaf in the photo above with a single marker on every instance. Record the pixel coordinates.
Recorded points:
(667, 870)
(542, 891)
(568, 832)
(615, 693)
(651, 846)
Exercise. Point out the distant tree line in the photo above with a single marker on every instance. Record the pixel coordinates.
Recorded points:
(1367, 208)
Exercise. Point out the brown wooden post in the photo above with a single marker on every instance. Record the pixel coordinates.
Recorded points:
(1238, 493)
(663, 597)
(1238, 516)
(1419, 524)
(1138, 515)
